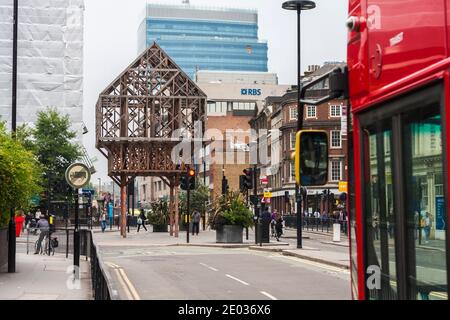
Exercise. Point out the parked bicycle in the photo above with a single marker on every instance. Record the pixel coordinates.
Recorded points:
(46, 247)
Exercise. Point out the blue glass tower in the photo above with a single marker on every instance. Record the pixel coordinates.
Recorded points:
(205, 38)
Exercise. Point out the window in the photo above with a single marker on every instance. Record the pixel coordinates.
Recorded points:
(336, 169)
(311, 112)
(291, 169)
(335, 111)
(336, 141)
(293, 138)
(404, 211)
(293, 113)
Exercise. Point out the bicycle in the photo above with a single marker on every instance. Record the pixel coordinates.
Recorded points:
(46, 248)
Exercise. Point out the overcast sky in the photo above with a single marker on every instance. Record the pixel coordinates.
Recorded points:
(111, 44)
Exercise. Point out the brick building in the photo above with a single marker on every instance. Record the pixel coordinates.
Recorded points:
(280, 112)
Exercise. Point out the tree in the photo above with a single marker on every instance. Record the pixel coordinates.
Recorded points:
(19, 175)
(55, 150)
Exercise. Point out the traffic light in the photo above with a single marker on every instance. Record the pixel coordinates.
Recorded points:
(248, 179)
(191, 179)
(184, 181)
(187, 181)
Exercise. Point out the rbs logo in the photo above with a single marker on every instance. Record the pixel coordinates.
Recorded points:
(251, 92)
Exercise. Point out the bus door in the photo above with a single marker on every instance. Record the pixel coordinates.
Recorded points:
(404, 196)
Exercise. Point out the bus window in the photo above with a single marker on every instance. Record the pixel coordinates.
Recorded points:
(426, 216)
(378, 212)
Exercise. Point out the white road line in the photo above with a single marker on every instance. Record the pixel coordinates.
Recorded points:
(238, 280)
(209, 267)
(268, 295)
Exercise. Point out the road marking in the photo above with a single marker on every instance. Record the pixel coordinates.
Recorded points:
(130, 285)
(268, 295)
(123, 285)
(238, 280)
(125, 282)
(209, 267)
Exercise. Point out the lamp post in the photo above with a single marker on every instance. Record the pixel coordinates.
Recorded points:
(299, 6)
(12, 222)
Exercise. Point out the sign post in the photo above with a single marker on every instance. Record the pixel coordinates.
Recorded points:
(77, 176)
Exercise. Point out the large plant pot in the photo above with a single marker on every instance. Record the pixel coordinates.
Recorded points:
(3, 247)
(229, 234)
(160, 228)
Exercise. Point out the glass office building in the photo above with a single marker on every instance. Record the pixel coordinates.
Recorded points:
(200, 38)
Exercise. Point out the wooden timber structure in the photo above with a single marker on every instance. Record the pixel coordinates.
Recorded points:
(141, 116)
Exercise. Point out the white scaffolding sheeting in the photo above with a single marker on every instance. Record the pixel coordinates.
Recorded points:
(50, 58)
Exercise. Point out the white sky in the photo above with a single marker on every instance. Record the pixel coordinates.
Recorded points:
(111, 44)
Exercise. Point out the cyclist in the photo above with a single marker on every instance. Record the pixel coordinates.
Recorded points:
(44, 227)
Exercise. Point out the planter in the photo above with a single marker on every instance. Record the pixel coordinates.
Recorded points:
(3, 247)
(229, 234)
(160, 228)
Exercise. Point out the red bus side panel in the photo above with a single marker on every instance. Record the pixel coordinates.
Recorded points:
(404, 40)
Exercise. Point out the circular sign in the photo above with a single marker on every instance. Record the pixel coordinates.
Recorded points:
(78, 175)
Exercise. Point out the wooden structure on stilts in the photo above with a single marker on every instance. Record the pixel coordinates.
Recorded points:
(141, 117)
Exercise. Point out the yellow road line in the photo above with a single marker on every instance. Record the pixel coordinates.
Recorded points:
(125, 282)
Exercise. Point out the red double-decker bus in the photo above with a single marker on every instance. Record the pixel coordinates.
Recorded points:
(399, 89)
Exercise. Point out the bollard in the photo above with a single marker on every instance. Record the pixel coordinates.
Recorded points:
(336, 232)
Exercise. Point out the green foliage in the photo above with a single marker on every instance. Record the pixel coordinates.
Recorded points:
(159, 213)
(20, 175)
(55, 149)
(230, 209)
(200, 196)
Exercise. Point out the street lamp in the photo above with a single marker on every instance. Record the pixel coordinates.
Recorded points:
(12, 222)
(299, 6)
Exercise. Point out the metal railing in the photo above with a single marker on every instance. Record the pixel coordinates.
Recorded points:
(316, 224)
(100, 288)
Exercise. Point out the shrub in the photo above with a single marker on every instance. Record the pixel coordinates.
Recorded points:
(230, 209)
(159, 213)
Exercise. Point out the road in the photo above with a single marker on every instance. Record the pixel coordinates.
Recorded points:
(199, 273)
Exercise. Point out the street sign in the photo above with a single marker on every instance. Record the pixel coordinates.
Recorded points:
(343, 186)
(268, 195)
(78, 175)
(264, 180)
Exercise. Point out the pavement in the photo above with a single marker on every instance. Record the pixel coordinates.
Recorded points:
(41, 277)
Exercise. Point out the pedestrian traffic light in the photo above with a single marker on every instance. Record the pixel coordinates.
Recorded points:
(248, 179)
(191, 179)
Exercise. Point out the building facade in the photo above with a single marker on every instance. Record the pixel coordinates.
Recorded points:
(280, 114)
(200, 38)
(233, 100)
(50, 59)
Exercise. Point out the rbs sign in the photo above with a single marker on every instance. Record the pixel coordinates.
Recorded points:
(251, 92)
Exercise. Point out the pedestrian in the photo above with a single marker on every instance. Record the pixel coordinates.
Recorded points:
(141, 220)
(427, 226)
(103, 221)
(20, 219)
(279, 226)
(196, 216)
(44, 227)
(273, 221)
(38, 215)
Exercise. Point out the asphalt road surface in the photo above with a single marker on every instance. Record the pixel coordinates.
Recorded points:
(199, 273)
